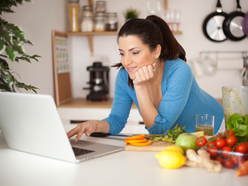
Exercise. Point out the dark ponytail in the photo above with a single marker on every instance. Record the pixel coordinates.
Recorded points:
(170, 48)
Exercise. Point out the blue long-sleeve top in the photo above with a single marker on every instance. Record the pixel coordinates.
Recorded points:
(182, 100)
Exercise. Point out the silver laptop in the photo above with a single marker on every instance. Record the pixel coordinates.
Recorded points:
(30, 123)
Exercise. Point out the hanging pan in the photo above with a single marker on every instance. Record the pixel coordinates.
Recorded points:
(232, 25)
(245, 24)
(212, 25)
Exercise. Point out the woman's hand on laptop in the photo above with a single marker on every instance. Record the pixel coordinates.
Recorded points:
(88, 127)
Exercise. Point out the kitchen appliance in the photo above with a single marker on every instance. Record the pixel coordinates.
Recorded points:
(99, 82)
(212, 25)
(232, 25)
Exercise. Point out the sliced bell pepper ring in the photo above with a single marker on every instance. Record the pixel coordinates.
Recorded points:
(142, 136)
(141, 144)
(136, 141)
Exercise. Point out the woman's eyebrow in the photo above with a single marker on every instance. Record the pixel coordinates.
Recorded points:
(129, 49)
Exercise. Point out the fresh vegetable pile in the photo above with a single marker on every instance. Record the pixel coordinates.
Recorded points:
(225, 148)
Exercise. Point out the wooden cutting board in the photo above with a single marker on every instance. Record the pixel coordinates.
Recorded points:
(154, 147)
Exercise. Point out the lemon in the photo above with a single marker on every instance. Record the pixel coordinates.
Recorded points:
(170, 159)
(175, 148)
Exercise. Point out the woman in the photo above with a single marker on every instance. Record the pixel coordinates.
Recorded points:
(155, 76)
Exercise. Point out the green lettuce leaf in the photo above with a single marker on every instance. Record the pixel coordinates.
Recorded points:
(239, 125)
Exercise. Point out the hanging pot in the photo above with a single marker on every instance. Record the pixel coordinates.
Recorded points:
(212, 25)
(245, 24)
(232, 25)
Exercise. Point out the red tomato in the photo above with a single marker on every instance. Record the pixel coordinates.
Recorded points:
(231, 140)
(229, 132)
(220, 143)
(211, 143)
(220, 136)
(201, 141)
(220, 159)
(242, 148)
(246, 143)
(226, 151)
(213, 150)
(236, 158)
(229, 163)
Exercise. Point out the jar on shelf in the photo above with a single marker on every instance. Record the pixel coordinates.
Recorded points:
(100, 6)
(112, 23)
(87, 11)
(73, 8)
(87, 24)
(100, 22)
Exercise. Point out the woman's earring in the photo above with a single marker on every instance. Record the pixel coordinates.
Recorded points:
(154, 67)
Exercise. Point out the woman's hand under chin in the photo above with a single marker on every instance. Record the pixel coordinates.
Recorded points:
(144, 74)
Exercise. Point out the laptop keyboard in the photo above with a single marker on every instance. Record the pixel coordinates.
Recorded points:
(79, 152)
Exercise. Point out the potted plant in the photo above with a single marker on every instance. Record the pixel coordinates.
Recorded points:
(131, 13)
(12, 40)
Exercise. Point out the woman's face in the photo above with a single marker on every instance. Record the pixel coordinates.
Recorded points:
(134, 54)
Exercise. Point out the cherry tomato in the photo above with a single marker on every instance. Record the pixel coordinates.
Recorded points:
(220, 159)
(226, 151)
(220, 136)
(229, 163)
(211, 143)
(201, 141)
(242, 148)
(213, 150)
(231, 140)
(220, 143)
(246, 143)
(229, 132)
(236, 158)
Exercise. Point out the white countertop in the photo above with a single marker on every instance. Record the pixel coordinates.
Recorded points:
(121, 168)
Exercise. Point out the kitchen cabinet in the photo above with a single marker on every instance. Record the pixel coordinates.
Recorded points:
(79, 110)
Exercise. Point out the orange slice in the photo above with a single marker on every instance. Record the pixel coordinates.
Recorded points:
(141, 144)
(142, 136)
(136, 141)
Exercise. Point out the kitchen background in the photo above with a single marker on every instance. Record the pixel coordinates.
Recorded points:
(39, 18)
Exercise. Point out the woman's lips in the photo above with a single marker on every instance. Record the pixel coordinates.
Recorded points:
(130, 69)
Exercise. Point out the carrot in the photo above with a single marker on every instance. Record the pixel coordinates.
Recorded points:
(142, 136)
(243, 170)
(136, 141)
(141, 144)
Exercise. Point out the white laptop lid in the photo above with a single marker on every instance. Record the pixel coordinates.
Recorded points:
(30, 123)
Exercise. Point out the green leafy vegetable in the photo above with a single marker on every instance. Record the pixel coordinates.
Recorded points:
(174, 133)
(239, 125)
(171, 135)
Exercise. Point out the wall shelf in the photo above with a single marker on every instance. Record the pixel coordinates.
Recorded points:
(90, 35)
